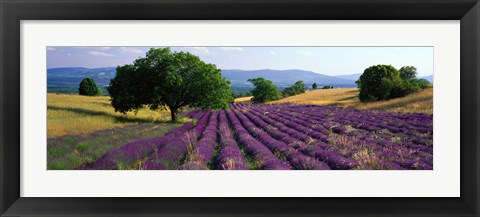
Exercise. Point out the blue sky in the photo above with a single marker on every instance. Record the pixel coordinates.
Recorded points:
(324, 60)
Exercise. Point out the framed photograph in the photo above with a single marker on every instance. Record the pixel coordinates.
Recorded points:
(249, 108)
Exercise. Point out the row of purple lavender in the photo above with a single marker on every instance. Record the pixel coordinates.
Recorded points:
(284, 137)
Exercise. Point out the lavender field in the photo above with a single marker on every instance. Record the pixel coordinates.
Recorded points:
(283, 137)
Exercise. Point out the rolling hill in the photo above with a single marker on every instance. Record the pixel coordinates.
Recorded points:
(351, 77)
(66, 80)
(74, 75)
(284, 77)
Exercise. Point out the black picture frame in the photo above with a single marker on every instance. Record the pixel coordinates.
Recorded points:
(13, 11)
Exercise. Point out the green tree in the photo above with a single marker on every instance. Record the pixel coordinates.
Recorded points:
(314, 86)
(165, 79)
(408, 72)
(88, 87)
(379, 82)
(297, 88)
(264, 90)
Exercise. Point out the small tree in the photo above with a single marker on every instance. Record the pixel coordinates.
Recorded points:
(408, 72)
(173, 80)
(88, 87)
(314, 86)
(297, 88)
(264, 90)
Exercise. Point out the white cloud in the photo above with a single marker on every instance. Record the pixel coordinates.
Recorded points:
(100, 54)
(232, 48)
(103, 48)
(304, 52)
(204, 50)
(51, 49)
(69, 54)
(273, 52)
(131, 50)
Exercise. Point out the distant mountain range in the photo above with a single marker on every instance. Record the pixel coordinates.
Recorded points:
(285, 77)
(70, 77)
(351, 77)
(74, 75)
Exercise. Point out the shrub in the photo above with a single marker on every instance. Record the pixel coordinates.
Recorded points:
(297, 88)
(88, 87)
(264, 90)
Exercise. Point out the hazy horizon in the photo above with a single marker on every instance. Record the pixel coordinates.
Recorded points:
(322, 60)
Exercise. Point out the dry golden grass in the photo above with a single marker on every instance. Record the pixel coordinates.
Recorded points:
(421, 102)
(243, 99)
(339, 97)
(75, 114)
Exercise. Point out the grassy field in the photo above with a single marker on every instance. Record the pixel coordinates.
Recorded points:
(81, 129)
(243, 99)
(76, 151)
(75, 115)
(337, 97)
(421, 102)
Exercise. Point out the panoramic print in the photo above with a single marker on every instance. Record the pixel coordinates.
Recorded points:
(239, 108)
